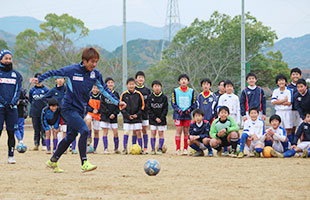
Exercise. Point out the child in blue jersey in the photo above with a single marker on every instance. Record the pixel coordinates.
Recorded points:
(276, 137)
(37, 101)
(206, 100)
(183, 103)
(50, 118)
(80, 80)
(199, 138)
(252, 97)
(304, 146)
(253, 134)
(224, 132)
(282, 98)
(295, 76)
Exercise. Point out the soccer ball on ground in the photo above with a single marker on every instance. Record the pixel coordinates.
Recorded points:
(152, 167)
(135, 149)
(266, 152)
(164, 149)
(21, 148)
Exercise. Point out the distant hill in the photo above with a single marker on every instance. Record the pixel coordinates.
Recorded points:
(8, 37)
(15, 25)
(295, 51)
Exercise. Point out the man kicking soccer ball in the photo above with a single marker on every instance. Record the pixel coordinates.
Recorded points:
(80, 80)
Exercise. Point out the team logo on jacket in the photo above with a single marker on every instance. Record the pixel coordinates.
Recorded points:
(299, 99)
(210, 99)
(13, 74)
(305, 127)
(249, 92)
(92, 74)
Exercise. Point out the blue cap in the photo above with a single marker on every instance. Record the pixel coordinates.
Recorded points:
(3, 52)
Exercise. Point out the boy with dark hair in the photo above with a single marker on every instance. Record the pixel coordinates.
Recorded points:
(10, 88)
(206, 100)
(252, 97)
(158, 109)
(93, 116)
(282, 98)
(302, 98)
(230, 100)
(50, 118)
(109, 113)
(22, 109)
(183, 103)
(37, 101)
(253, 134)
(304, 145)
(276, 137)
(132, 114)
(199, 138)
(295, 76)
(140, 78)
(224, 132)
(221, 89)
(82, 77)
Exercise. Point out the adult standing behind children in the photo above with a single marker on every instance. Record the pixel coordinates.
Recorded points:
(81, 78)
(10, 87)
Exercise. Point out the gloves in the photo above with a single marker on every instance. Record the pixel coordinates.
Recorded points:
(188, 111)
(180, 111)
(9, 106)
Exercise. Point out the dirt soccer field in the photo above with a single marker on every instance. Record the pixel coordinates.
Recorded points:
(123, 177)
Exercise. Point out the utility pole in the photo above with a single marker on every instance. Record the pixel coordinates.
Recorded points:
(124, 47)
(242, 47)
(172, 23)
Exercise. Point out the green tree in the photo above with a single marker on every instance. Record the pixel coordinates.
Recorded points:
(3, 45)
(212, 49)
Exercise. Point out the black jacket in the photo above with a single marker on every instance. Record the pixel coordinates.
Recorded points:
(146, 93)
(22, 106)
(303, 103)
(202, 131)
(108, 108)
(157, 108)
(135, 105)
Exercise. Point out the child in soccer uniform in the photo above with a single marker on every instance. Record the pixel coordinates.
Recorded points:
(50, 121)
(276, 137)
(295, 76)
(304, 145)
(199, 138)
(22, 109)
(183, 103)
(37, 101)
(157, 109)
(252, 97)
(140, 78)
(132, 114)
(253, 134)
(93, 115)
(224, 132)
(206, 100)
(282, 98)
(302, 99)
(230, 100)
(109, 112)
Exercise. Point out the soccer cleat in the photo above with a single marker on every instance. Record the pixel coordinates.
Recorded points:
(276, 154)
(210, 153)
(233, 154)
(198, 154)
(241, 155)
(11, 160)
(54, 165)
(105, 151)
(257, 155)
(74, 151)
(48, 152)
(117, 151)
(87, 166)
(185, 152)
(305, 154)
(178, 152)
(145, 151)
(35, 148)
(225, 153)
(43, 148)
(125, 152)
(153, 152)
(159, 152)
(251, 154)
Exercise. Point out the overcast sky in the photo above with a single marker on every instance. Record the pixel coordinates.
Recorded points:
(289, 18)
